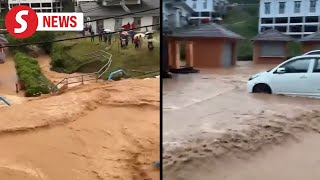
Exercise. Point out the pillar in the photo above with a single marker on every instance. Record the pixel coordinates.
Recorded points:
(189, 54)
(174, 54)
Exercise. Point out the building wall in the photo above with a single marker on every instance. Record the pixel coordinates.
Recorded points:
(110, 23)
(199, 5)
(309, 46)
(171, 13)
(257, 59)
(306, 27)
(39, 5)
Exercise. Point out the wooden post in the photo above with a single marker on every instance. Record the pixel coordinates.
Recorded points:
(82, 79)
(17, 88)
(189, 54)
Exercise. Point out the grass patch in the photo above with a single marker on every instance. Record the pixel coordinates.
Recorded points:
(69, 56)
(30, 75)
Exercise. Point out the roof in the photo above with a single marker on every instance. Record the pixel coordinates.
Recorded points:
(93, 9)
(3, 39)
(272, 35)
(312, 37)
(211, 30)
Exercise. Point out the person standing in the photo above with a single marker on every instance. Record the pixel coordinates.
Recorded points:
(109, 38)
(92, 36)
(136, 42)
(150, 42)
(100, 31)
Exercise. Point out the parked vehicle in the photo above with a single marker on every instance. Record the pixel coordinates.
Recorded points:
(297, 76)
(315, 52)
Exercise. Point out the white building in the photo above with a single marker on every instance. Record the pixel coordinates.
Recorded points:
(206, 8)
(175, 13)
(38, 5)
(296, 18)
(93, 10)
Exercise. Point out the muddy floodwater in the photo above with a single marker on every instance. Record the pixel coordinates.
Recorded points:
(209, 119)
(102, 130)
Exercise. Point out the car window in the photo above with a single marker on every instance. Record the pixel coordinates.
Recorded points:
(316, 68)
(297, 66)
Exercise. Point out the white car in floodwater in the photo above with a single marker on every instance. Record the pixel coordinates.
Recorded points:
(297, 76)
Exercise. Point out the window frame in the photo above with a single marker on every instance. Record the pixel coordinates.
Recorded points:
(313, 9)
(311, 59)
(297, 9)
(316, 65)
(284, 7)
(265, 8)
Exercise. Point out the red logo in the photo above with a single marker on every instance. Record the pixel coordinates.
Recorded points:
(21, 21)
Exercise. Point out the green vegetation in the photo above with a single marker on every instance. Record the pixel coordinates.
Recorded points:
(30, 75)
(69, 56)
(244, 21)
(41, 36)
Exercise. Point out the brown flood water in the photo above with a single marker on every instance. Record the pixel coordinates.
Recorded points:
(97, 131)
(201, 109)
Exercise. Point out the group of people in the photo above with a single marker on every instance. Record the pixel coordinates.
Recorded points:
(125, 34)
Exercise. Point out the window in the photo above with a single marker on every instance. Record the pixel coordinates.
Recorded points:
(272, 49)
(297, 6)
(316, 68)
(297, 66)
(313, 5)
(282, 6)
(205, 4)
(137, 22)
(155, 20)
(267, 7)
(194, 5)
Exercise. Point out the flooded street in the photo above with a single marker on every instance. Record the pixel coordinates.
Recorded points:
(209, 116)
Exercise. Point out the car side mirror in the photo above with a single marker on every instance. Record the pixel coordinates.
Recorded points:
(281, 70)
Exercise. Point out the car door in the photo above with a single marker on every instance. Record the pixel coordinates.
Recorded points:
(314, 78)
(294, 80)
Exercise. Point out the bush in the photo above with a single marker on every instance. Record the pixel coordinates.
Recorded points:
(30, 75)
(37, 37)
(61, 61)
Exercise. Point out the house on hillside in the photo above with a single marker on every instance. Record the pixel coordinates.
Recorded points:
(175, 13)
(39, 5)
(297, 18)
(94, 10)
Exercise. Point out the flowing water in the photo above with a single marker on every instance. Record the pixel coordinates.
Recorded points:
(201, 110)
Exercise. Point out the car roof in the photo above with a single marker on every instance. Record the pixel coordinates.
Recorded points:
(312, 51)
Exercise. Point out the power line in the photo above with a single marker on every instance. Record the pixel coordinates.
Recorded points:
(68, 39)
(110, 17)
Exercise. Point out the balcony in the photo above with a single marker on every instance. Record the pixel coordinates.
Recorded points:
(117, 2)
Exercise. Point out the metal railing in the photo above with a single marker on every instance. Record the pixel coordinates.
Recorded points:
(91, 76)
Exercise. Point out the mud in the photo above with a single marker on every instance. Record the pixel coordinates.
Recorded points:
(103, 130)
(210, 118)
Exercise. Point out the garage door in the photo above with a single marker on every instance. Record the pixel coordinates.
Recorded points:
(227, 55)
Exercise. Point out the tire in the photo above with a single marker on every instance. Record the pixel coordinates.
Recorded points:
(262, 88)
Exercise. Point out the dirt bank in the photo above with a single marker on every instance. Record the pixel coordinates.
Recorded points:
(98, 131)
(209, 117)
